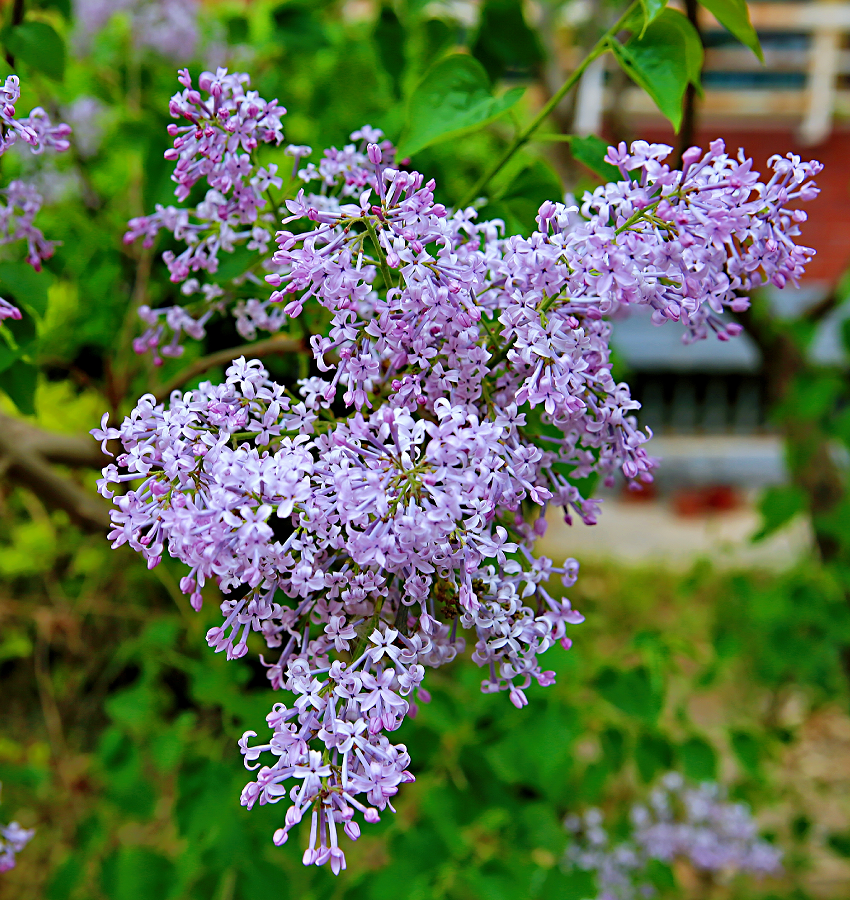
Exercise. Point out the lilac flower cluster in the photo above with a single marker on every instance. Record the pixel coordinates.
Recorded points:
(22, 199)
(216, 144)
(360, 520)
(357, 547)
(168, 27)
(680, 821)
(13, 839)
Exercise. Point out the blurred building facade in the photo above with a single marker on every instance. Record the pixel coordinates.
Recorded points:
(707, 402)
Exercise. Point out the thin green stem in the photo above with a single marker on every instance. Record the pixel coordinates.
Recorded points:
(566, 138)
(525, 136)
(636, 217)
(385, 271)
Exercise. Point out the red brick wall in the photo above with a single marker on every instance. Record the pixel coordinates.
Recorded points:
(828, 227)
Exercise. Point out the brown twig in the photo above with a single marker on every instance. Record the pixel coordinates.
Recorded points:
(62, 449)
(26, 454)
(270, 347)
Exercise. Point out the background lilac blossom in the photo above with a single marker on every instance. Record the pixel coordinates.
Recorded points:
(360, 520)
(680, 821)
(168, 27)
(13, 839)
(22, 199)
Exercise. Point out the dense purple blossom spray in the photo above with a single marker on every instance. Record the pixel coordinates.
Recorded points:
(365, 520)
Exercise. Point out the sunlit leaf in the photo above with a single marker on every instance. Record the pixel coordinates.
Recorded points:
(453, 98)
(663, 60)
(735, 17)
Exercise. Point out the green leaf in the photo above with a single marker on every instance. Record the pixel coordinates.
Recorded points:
(39, 46)
(747, 749)
(64, 879)
(613, 743)
(25, 285)
(840, 843)
(778, 505)
(298, 27)
(22, 331)
(134, 707)
(653, 754)
(19, 382)
(452, 98)
(136, 873)
(389, 39)
(238, 30)
(590, 151)
(663, 60)
(62, 6)
(660, 875)
(734, 16)
(651, 10)
(520, 202)
(631, 691)
(504, 40)
(698, 760)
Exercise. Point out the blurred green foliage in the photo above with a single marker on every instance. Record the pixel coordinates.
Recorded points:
(119, 726)
(122, 748)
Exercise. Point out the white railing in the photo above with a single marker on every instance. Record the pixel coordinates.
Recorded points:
(811, 109)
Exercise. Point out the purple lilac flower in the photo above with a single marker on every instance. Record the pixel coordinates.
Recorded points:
(362, 522)
(680, 821)
(168, 27)
(217, 145)
(88, 117)
(22, 199)
(13, 839)
(17, 214)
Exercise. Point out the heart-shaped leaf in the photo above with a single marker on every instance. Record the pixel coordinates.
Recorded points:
(453, 97)
(734, 16)
(39, 46)
(663, 60)
(651, 9)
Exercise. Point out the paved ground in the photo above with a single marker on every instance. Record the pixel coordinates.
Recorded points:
(635, 532)
(704, 507)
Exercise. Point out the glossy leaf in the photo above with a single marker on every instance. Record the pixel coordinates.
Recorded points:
(39, 46)
(663, 60)
(454, 97)
(734, 16)
(651, 9)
